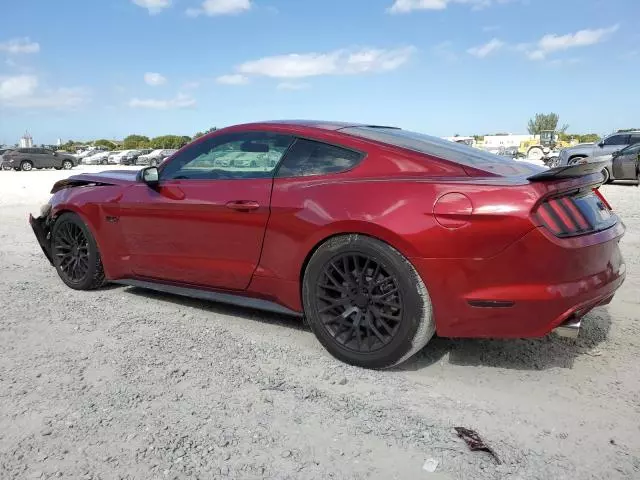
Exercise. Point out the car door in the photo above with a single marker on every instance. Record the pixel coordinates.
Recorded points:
(609, 145)
(49, 159)
(204, 224)
(625, 164)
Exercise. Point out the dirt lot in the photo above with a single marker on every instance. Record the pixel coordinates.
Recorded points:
(124, 383)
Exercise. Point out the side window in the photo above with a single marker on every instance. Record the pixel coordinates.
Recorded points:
(240, 155)
(634, 138)
(617, 140)
(307, 157)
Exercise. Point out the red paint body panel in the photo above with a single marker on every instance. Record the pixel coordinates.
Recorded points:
(470, 235)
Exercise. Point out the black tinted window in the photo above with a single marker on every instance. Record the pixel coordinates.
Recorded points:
(307, 157)
(634, 138)
(617, 140)
(236, 155)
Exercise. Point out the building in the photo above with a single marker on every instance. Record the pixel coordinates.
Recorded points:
(26, 141)
(59, 142)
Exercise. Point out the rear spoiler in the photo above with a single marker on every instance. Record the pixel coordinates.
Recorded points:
(570, 171)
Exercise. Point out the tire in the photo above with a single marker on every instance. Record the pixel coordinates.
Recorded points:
(535, 153)
(153, 163)
(58, 168)
(26, 166)
(104, 162)
(75, 253)
(67, 165)
(606, 175)
(378, 335)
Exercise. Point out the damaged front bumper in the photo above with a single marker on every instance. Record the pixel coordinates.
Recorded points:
(41, 229)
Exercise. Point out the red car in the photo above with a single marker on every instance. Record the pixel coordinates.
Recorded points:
(380, 237)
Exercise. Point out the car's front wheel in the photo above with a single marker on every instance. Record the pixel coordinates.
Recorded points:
(75, 253)
(26, 166)
(67, 164)
(606, 176)
(366, 303)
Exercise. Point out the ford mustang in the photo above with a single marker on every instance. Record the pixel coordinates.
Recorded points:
(379, 237)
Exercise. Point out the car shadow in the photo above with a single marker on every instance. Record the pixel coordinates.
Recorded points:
(222, 308)
(551, 351)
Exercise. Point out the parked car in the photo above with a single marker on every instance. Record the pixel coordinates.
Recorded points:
(27, 159)
(598, 152)
(100, 158)
(2, 165)
(469, 244)
(155, 157)
(625, 164)
(132, 157)
(112, 157)
(122, 157)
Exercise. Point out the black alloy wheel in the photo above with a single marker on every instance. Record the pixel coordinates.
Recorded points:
(365, 302)
(75, 253)
(360, 302)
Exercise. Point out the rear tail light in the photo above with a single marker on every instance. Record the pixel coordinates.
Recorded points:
(573, 215)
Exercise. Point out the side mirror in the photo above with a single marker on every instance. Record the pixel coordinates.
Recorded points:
(601, 143)
(616, 153)
(150, 176)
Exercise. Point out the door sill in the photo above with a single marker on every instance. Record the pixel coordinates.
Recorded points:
(203, 294)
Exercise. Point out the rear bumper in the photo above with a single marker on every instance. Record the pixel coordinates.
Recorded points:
(41, 231)
(528, 290)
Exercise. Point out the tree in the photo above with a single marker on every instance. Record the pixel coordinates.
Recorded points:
(545, 121)
(108, 144)
(200, 134)
(589, 138)
(170, 141)
(628, 130)
(133, 142)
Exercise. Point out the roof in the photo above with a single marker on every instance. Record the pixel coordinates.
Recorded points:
(325, 125)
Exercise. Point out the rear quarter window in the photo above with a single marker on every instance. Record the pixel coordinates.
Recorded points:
(310, 157)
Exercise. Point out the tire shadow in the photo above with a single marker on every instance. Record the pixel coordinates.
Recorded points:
(551, 351)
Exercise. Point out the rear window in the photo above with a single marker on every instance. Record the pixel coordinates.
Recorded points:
(444, 149)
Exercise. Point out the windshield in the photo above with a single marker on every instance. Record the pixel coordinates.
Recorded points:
(454, 152)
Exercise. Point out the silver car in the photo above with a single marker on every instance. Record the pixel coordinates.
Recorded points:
(598, 152)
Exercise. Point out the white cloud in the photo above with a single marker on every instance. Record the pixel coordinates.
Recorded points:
(339, 62)
(583, 38)
(19, 45)
(233, 79)
(21, 91)
(213, 8)
(292, 86)
(180, 101)
(482, 51)
(490, 28)
(406, 6)
(19, 86)
(154, 6)
(154, 79)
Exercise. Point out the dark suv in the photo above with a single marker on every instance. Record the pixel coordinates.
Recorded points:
(29, 158)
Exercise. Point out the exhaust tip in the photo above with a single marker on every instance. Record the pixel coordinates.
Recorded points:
(569, 329)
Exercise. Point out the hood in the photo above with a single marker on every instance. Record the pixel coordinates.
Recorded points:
(106, 178)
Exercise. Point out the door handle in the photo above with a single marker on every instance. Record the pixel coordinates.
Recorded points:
(243, 205)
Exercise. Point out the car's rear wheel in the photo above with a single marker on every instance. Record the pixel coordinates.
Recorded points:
(104, 162)
(26, 166)
(75, 253)
(365, 302)
(606, 175)
(67, 164)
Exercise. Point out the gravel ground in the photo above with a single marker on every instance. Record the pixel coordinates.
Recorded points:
(125, 383)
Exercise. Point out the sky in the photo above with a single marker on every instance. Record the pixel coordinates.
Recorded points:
(78, 69)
